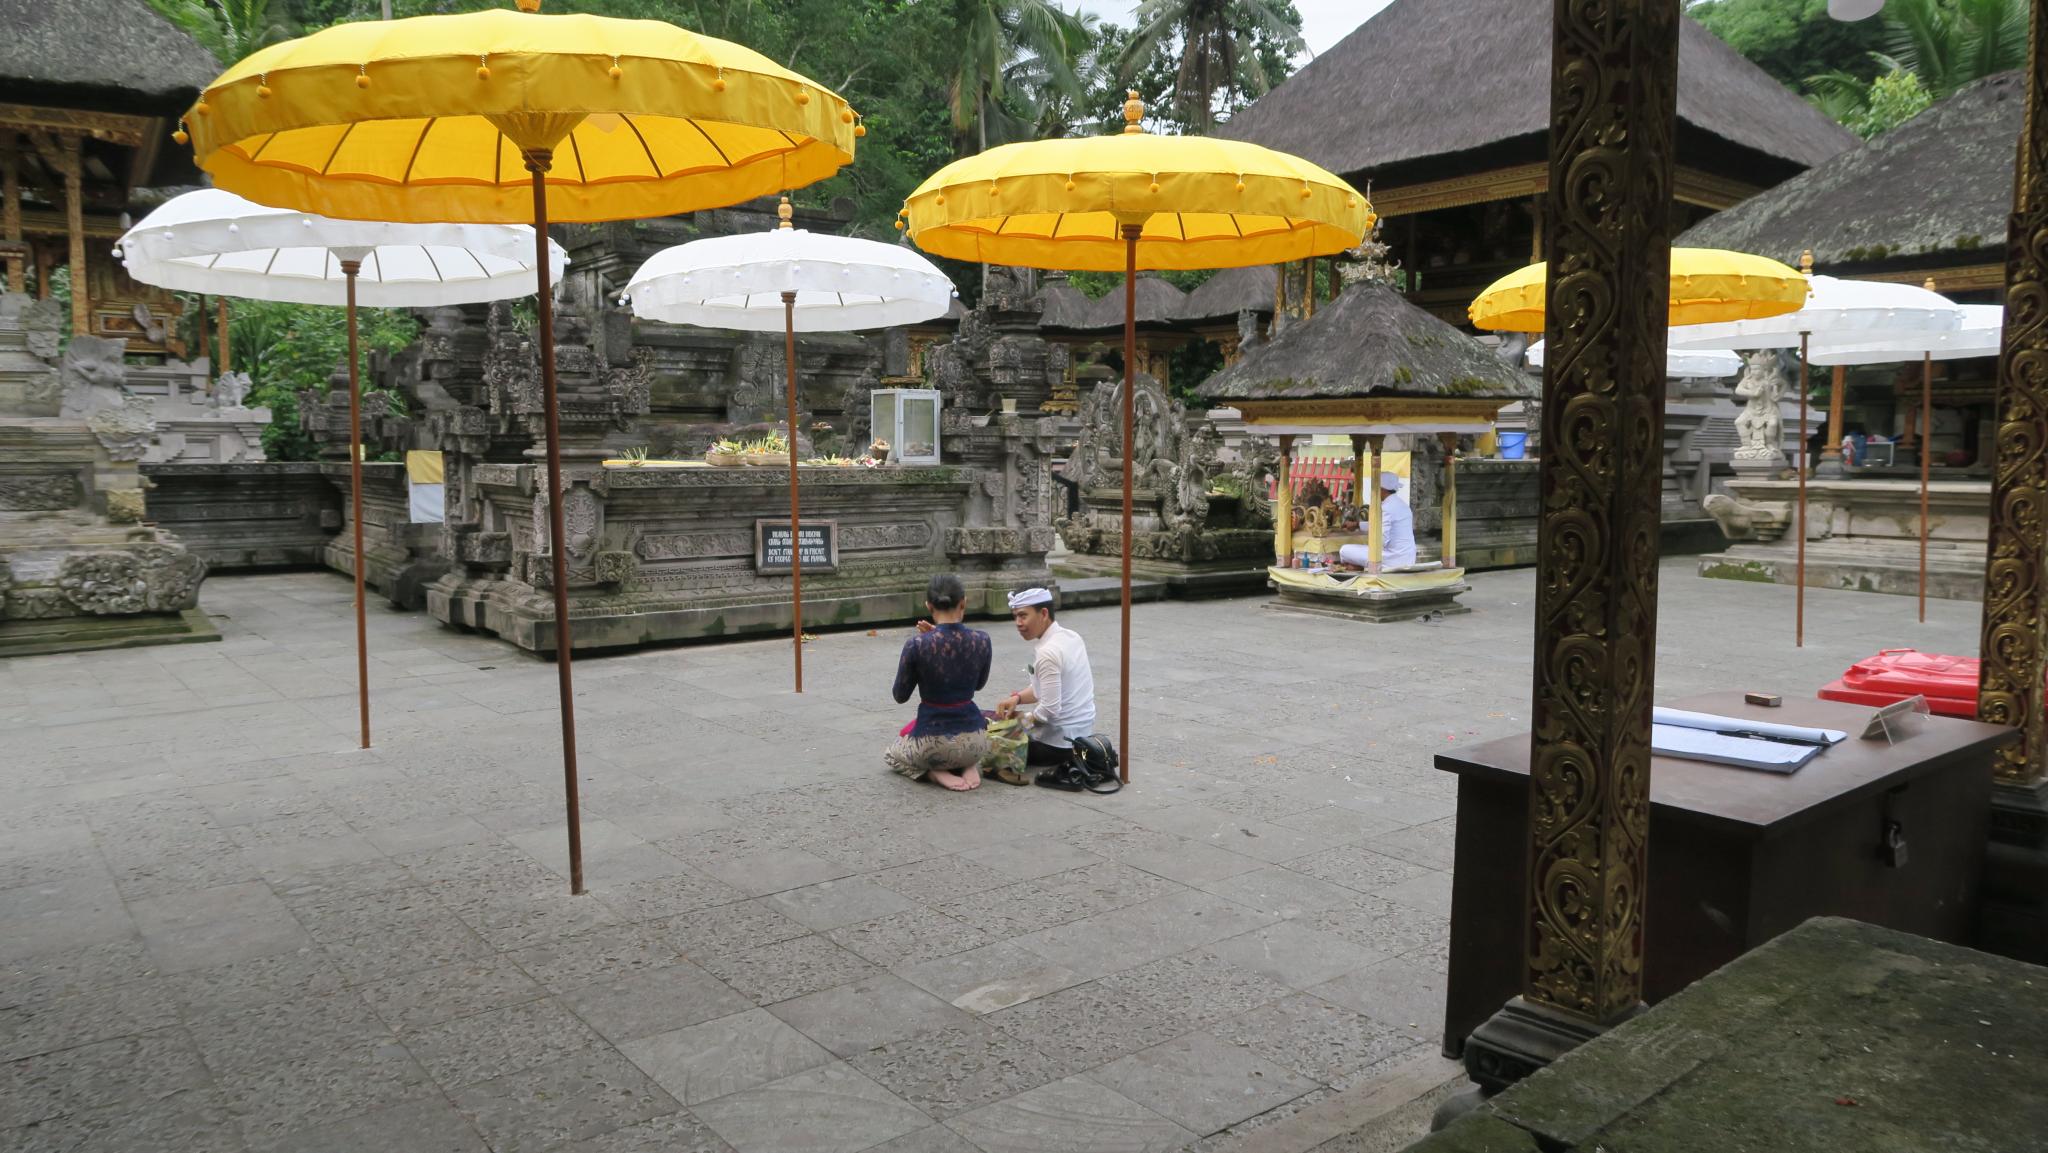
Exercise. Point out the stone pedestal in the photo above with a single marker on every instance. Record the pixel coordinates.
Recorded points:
(1862, 535)
(240, 517)
(79, 567)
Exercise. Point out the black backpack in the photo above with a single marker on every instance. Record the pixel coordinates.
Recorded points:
(1092, 766)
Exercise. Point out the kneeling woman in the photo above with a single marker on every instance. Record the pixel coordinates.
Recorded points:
(946, 663)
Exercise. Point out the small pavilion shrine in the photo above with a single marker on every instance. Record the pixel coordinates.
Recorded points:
(1373, 367)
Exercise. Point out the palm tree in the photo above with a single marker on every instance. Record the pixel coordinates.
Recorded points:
(1218, 48)
(230, 29)
(1950, 43)
(994, 36)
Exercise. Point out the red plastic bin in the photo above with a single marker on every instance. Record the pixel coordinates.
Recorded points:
(1948, 683)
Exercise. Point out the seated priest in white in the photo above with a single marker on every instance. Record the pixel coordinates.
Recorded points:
(1397, 531)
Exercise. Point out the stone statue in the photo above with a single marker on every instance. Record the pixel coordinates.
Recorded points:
(1759, 425)
(95, 390)
(1749, 520)
(231, 390)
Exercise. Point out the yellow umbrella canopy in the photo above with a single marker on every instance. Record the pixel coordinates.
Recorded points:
(428, 119)
(1201, 202)
(1708, 285)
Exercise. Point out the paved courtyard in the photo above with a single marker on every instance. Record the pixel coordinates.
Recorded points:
(224, 928)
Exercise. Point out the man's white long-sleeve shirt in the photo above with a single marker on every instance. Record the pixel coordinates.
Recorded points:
(1064, 686)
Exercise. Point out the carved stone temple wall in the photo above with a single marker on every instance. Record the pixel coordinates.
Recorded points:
(666, 550)
(80, 566)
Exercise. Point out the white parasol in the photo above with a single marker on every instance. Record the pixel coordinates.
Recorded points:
(217, 243)
(1701, 363)
(790, 281)
(1983, 327)
(1838, 311)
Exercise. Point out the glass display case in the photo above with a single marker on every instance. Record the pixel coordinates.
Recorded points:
(907, 418)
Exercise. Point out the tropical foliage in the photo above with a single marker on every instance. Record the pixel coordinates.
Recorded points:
(230, 29)
(288, 347)
(1225, 52)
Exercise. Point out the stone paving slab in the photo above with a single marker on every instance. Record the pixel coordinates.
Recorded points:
(223, 927)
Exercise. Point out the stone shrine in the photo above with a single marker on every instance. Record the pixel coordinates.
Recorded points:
(79, 565)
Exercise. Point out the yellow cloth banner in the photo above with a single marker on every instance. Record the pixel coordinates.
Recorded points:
(423, 466)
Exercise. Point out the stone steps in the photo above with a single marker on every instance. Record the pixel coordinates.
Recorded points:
(1091, 592)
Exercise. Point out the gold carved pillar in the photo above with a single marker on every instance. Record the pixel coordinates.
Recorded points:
(1375, 533)
(1283, 505)
(1450, 510)
(221, 310)
(63, 156)
(1613, 101)
(2015, 627)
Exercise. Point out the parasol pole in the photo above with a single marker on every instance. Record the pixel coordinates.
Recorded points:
(1123, 722)
(1799, 594)
(1926, 451)
(349, 269)
(796, 548)
(538, 161)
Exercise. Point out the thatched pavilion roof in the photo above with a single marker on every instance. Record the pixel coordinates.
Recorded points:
(1939, 183)
(1229, 292)
(115, 55)
(1429, 78)
(1066, 307)
(1158, 303)
(1369, 342)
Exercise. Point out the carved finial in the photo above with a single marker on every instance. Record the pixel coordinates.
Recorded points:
(1929, 286)
(785, 213)
(1806, 262)
(1134, 111)
(528, 5)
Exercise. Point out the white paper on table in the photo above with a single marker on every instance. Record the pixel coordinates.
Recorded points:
(1694, 744)
(1679, 718)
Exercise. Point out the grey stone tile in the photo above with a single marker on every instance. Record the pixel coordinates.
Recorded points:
(1280, 891)
(990, 978)
(830, 904)
(1294, 955)
(1075, 1115)
(1401, 994)
(1125, 937)
(937, 1139)
(573, 1099)
(431, 996)
(1086, 1026)
(1379, 925)
(1433, 844)
(429, 1125)
(728, 1055)
(1027, 907)
(550, 844)
(788, 969)
(1163, 854)
(45, 1024)
(670, 1133)
(941, 878)
(1195, 987)
(727, 929)
(102, 1074)
(656, 898)
(212, 943)
(909, 937)
(281, 1031)
(179, 1121)
(1429, 893)
(169, 911)
(253, 982)
(1315, 1038)
(874, 1010)
(427, 944)
(497, 1042)
(519, 922)
(185, 869)
(1203, 1084)
(590, 958)
(949, 1071)
(81, 969)
(758, 874)
(830, 1109)
(385, 912)
(1356, 867)
(653, 1001)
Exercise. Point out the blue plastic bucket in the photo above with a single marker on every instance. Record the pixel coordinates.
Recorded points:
(1513, 445)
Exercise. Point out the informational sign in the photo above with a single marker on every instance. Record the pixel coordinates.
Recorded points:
(772, 544)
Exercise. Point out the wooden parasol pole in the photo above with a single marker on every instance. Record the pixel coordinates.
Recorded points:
(538, 161)
(1926, 452)
(1123, 688)
(349, 269)
(796, 538)
(1799, 594)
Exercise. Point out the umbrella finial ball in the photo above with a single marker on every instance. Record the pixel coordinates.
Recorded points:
(1806, 262)
(528, 6)
(1134, 110)
(615, 72)
(362, 80)
(785, 213)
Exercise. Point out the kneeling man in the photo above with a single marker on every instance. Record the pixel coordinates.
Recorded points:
(1061, 695)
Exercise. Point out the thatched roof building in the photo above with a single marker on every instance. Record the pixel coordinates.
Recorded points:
(1369, 343)
(1231, 291)
(1066, 307)
(113, 55)
(1930, 197)
(1159, 304)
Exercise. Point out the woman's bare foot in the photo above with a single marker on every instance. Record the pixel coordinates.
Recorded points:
(954, 781)
(973, 777)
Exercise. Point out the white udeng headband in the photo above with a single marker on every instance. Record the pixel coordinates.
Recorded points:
(1027, 597)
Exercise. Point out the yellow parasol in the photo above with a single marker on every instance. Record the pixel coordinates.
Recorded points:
(1129, 202)
(1708, 285)
(498, 116)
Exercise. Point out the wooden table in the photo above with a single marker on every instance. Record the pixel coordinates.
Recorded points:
(1738, 856)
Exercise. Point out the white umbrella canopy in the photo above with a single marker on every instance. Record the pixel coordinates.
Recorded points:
(219, 244)
(1982, 329)
(842, 283)
(1836, 310)
(1706, 362)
